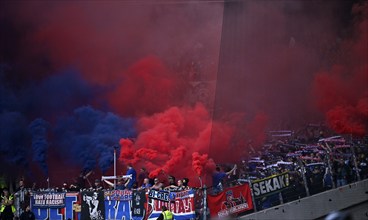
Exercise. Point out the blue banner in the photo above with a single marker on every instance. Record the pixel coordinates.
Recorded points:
(71, 209)
(118, 195)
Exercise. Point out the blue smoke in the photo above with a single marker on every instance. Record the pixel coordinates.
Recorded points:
(38, 129)
(14, 138)
(22, 135)
(8, 99)
(89, 136)
(36, 119)
(57, 94)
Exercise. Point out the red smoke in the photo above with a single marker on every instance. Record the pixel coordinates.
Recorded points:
(346, 120)
(174, 141)
(177, 142)
(147, 87)
(102, 39)
(243, 132)
(256, 129)
(201, 162)
(342, 91)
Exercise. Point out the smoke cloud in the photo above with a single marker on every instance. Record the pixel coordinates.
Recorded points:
(148, 84)
(179, 86)
(89, 136)
(14, 136)
(169, 141)
(341, 92)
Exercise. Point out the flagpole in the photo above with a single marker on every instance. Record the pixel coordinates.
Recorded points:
(115, 167)
(48, 191)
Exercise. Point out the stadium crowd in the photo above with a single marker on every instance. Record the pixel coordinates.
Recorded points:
(314, 165)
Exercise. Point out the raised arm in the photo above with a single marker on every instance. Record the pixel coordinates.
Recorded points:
(108, 182)
(232, 170)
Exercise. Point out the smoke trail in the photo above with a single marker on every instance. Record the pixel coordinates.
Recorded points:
(38, 129)
(201, 162)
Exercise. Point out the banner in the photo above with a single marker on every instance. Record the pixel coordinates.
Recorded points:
(118, 195)
(117, 210)
(231, 201)
(138, 201)
(93, 206)
(270, 184)
(48, 200)
(70, 211)
(181, 205)
(159, 195)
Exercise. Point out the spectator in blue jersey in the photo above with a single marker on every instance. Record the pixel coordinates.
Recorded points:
(218, 179)
(327, 179)
(131, 182)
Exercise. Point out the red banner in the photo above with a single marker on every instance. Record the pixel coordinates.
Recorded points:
(181, 204)
(231, 201)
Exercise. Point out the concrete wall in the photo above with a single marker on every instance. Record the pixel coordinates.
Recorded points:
(319, 205)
